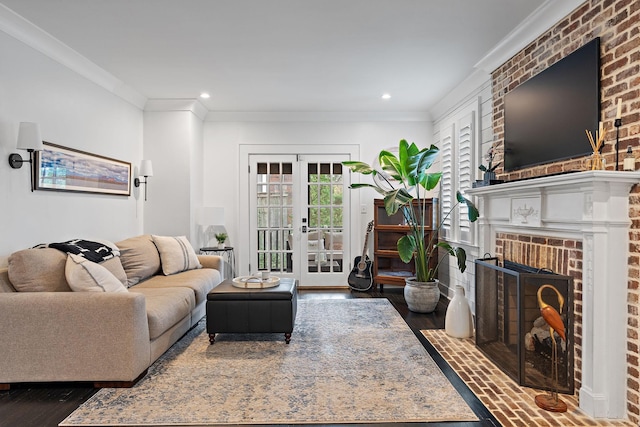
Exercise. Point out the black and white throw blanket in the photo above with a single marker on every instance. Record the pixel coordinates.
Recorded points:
(93, 251)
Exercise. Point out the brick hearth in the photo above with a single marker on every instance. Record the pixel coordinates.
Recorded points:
(510, 403)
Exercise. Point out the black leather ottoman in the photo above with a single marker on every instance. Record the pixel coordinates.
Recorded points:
(238, 310)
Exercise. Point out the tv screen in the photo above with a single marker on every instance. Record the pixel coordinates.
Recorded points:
(545, 118)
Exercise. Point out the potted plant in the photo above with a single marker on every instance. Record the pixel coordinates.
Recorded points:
(221, 238)
(403, 179)
(490, 169)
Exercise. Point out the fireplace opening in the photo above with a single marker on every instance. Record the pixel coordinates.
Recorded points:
(510, 330)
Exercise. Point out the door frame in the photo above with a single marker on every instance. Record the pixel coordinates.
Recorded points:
(246, 150)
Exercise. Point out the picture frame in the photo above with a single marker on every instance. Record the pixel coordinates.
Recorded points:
(60, 168)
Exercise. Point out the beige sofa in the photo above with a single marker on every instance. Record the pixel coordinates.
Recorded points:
(50, 333)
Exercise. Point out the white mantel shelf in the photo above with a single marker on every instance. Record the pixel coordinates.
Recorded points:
(563, 179)
(592, 207)
(575, 178)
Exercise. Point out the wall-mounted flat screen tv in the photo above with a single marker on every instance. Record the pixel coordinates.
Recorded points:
(545, 118)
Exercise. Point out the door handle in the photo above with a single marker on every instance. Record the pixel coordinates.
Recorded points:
(304, 228)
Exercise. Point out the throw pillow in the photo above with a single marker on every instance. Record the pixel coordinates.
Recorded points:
(87, 276)
(114, 265)
(139, 257)
(176, 254)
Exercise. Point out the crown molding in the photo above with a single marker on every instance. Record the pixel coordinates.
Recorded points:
(471, 87)
(546, 16)
(293, 116)
(23, 30)
(542, 19)
(163, 105)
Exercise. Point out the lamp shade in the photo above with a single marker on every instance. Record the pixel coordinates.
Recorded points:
(211, 216)
(146, 168)
(29, 137)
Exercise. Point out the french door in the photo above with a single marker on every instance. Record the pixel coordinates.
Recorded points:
(298, 217)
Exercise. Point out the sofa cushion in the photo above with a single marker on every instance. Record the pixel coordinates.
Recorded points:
(87, 276)
(114, 265)
(5, 283)
(200, 281)
(166, 307)
(38, 270)
(176, 254)
(139, 257)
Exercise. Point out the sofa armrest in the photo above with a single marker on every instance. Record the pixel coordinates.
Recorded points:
(213, 261)
(73, 336)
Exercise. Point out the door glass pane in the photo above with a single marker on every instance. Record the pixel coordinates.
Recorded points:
(262, 217)
(274, 218)
(325, 193)
(313, 217)
(275, 222)
(287, 195)
(337, 218)
(313, 195)
(336, 194)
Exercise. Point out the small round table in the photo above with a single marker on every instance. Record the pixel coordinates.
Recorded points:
(227, 252)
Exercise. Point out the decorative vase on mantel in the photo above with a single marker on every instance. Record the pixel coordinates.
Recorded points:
(421, 297)
(488, 177)
(458, 322)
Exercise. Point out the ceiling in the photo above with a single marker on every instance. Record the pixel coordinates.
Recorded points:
(284, 55)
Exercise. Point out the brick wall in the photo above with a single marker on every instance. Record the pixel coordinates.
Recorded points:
(617, 23)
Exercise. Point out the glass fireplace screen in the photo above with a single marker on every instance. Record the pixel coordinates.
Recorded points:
(510, 329)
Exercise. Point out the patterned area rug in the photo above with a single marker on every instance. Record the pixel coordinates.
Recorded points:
(349, 361)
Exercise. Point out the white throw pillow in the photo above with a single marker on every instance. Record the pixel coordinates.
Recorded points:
(87, 276)
(176, 254)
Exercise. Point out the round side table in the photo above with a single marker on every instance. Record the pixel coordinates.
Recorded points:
(227, 253)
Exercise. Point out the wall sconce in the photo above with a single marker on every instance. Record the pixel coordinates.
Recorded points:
(28, 139)
(146, 170)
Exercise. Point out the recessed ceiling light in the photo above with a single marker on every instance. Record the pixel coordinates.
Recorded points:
(205, 95)
(385, 96)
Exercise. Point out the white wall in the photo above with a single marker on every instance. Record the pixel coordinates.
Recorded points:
(222, 140)
(173, 142)
(75, 113)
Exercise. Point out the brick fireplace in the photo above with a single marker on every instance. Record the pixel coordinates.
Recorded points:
(575, 224)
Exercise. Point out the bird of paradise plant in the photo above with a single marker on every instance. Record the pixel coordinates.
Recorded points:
(407, 178)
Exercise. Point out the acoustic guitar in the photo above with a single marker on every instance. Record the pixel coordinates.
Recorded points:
(360, 278)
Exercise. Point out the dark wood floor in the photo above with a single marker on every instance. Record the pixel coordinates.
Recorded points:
(45, 405)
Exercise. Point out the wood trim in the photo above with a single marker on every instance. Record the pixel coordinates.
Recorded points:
(119, 384)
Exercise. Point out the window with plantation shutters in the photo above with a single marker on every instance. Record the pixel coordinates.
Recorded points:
(465, 172)
(458, 139)
(447, 181)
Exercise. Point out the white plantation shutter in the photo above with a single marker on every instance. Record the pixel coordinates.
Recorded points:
(466, 170)
(447, 181)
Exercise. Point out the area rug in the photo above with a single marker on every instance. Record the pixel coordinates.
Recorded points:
(349, 361)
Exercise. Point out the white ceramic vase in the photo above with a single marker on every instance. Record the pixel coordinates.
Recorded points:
(458, 321)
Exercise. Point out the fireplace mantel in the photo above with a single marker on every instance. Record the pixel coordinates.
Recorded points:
(592, 207)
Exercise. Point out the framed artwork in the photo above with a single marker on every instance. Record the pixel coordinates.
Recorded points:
(60, 168)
